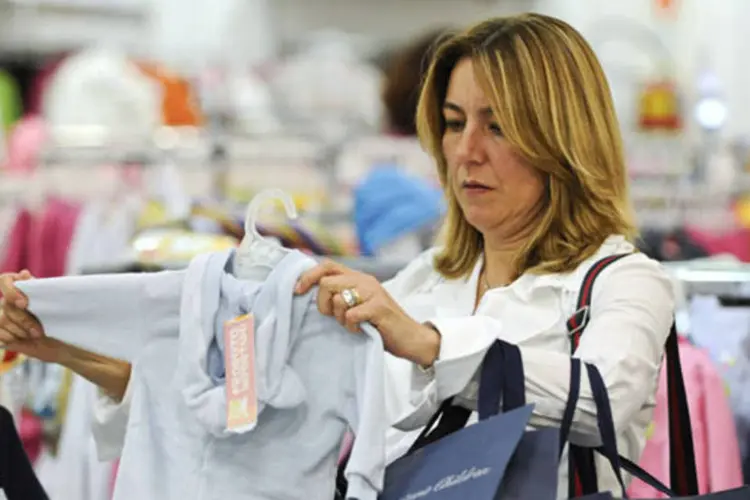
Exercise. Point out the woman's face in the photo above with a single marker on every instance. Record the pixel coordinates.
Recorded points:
(496, 189)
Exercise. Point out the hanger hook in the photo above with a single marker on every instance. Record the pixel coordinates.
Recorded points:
(253, 209)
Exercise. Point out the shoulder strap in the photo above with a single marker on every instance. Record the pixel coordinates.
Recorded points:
(683, 475)
(580, 318)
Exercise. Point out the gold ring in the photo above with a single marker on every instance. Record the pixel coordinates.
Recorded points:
(351, 297)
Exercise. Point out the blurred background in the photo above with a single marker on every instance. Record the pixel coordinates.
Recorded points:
(133, 133)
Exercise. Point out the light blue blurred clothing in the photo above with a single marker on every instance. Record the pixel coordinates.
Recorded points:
(389, 204)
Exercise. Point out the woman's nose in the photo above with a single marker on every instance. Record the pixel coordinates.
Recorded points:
(468, 149)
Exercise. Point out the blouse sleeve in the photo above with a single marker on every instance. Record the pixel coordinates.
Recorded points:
(632, 312)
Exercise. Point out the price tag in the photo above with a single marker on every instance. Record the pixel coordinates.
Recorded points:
(239, 360)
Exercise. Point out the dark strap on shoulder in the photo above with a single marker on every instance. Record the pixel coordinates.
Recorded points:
(580, 318)
(582, 478)
(683, 475)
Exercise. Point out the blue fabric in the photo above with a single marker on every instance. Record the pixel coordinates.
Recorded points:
(390, 203)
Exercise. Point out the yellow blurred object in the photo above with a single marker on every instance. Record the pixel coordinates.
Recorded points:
(164, 246)
(153, 213)
(650, 430)
(660, 107)
(742, 209)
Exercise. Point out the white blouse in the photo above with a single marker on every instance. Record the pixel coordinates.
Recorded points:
(632, 310)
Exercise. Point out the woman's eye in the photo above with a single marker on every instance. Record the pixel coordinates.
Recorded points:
(495, 129)
(453, 125)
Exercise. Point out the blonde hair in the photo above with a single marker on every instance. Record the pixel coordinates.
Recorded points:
(551, 99)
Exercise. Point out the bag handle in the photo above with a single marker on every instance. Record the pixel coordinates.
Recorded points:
(683, 475)
(605, 423)
(501, 379)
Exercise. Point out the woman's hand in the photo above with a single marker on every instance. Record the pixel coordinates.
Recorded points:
(19, 330)
(402, 336)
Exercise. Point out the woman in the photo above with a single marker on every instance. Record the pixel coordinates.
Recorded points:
(519, 119)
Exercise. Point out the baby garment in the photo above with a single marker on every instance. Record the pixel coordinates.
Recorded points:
(314, 380)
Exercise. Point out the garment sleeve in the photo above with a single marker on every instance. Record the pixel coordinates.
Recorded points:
(632, 312)
(367, 418)
(110, 422)
(112, 314)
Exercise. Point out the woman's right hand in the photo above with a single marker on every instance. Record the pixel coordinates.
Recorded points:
(20, 331)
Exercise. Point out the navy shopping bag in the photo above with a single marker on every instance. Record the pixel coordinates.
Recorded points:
(525, 463)
(467, 464)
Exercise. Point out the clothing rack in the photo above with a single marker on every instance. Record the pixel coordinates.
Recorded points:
(94, 146)
(729, 281)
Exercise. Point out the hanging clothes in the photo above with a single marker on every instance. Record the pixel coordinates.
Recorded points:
(298, 351)
(103, 88)
(390, 204)
(179, 102)
(717, 453)
(735, 242)
(25, 144)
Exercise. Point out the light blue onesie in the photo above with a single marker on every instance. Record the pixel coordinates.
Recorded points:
(315, 380)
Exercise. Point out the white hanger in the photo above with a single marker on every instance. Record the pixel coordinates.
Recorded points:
(256, 255)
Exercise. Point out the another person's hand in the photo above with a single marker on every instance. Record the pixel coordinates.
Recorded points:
(370, 302)
(20, 331)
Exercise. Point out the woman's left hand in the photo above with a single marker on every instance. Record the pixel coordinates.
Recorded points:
(402, 336)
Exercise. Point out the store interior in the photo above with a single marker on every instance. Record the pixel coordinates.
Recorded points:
(134, 133)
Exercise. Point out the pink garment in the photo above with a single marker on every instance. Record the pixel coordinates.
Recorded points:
(15, 248)
(51, 235)
(25, 144)
(717, 453)
(735, 242)
(40, 242)
(30, 431)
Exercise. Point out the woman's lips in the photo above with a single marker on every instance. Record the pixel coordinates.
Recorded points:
(475, 188)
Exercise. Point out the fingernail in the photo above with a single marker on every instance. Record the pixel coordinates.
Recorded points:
(298, 288)
(35, 333)
(20, 303)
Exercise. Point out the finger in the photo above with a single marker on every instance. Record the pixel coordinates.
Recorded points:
(9, 291)
(357, 315)
(325, 302)
(11, 332)
(354, 281)
(26, 322)
(339, 283)
(339, 309)
(6, 337)
(312, 277)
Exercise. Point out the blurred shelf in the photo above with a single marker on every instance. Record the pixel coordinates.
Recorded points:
(39, 27)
